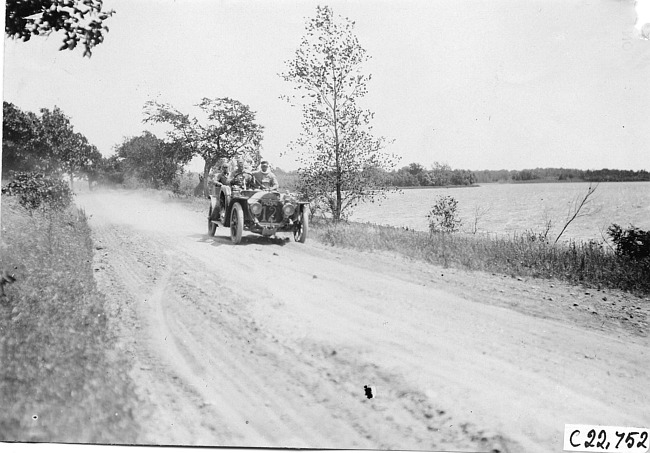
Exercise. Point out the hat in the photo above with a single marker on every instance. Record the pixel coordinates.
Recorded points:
(264, 162)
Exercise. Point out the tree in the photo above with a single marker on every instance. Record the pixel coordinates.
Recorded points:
(336, 144)
(415, 169)
(46, 144)
(443, 217)
(21, 150)
(151, 160)
(67, 151)
(82, 21)
(440, 174)
(231, 130)
(78, 157)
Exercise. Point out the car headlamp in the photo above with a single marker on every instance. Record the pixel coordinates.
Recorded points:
(256, 208)
(288, 209)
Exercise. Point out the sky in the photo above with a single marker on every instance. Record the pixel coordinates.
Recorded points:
(490, 84)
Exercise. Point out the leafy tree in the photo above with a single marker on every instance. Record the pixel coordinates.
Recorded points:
(78, 156)
(151, 160)
(21, 150)
(443, 216)
(82, 21)
(91, 166)
(336, 145)
(440, 174)
(415, 169)
(230, 130)
(109, 170)
(68, 151)
(45, 144)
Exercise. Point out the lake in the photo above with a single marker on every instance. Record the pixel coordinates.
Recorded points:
(509, 208)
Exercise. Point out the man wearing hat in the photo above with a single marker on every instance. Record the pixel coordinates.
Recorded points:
(223, 176)
(265, 177)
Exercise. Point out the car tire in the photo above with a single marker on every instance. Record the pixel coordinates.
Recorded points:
(300, 235)
(236, 223)
(222, 211)
(212, 228)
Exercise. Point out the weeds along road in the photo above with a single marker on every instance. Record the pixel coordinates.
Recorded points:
(271, 344)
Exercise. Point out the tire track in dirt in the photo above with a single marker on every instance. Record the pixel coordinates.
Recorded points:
(285, 336)
(175, 304)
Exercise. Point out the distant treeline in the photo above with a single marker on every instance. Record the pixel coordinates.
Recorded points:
(416, 175)
(560, 174)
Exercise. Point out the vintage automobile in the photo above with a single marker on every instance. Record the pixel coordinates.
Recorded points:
(260, 211)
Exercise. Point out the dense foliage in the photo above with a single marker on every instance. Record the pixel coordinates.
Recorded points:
(440, 174)
(21, 147)
(443, 216)
(82, 21)
(150, 160)
(37, 191)
(339, 156)
(47, 144)
(633, 243)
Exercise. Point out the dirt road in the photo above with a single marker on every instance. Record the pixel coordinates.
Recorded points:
(271, 344)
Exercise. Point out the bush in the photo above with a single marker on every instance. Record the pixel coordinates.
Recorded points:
(35, 190)
(443, 216)
(632, 243)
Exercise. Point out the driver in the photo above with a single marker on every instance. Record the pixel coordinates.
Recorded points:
(265, 177)
(241, 177)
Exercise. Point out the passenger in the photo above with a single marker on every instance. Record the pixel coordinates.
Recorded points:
(223, 176)
(265, 178)
(241, 177)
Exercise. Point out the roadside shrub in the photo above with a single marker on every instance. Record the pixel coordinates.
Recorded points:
(35, 190)
(443, 216)
(631, 243)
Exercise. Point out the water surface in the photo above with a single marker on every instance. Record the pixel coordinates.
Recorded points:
(510, 208)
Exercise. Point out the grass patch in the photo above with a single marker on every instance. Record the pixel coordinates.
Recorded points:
(61, 376)
(519, 255)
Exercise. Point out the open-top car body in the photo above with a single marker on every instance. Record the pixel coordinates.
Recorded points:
(261, 211)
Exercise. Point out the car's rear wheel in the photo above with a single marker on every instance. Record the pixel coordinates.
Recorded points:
(236, 223)
(212, 228)
(300, 234)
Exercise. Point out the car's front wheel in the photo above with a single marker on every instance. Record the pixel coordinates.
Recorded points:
(300, 234)
(236, 223)
(212, 228)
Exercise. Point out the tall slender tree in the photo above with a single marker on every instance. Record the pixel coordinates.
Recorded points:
(230, 130)
(337, 150)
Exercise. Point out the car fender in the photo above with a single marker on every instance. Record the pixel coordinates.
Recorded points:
(213, 202)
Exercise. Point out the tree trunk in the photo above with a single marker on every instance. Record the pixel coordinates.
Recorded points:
(206, 172)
